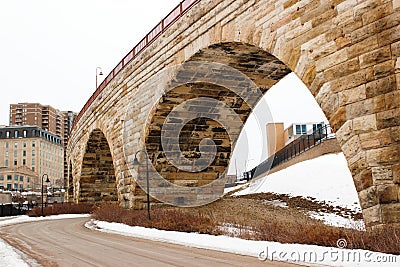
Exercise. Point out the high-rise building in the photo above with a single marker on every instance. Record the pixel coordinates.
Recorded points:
(30, 147)
(46, 117)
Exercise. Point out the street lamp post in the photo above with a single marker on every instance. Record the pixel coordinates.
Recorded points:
(136, 163)
(47, 181)
(100, 73)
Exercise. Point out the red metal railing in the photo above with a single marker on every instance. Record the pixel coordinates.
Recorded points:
(173, 16)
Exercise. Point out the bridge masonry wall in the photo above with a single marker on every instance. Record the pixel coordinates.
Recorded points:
(347, 52)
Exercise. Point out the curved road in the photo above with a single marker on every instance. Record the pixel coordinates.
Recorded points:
(68, 243)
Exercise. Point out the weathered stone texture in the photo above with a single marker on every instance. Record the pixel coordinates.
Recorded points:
(347, 52)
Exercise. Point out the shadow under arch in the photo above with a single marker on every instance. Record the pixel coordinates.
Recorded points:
(70, 183)
(207, 83)
(97, 181)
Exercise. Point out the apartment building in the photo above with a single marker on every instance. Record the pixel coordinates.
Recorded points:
(19, 178)
(34, 148)
(278, 137)
(46, 117)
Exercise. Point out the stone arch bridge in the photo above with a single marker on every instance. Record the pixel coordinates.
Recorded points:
(347, 52)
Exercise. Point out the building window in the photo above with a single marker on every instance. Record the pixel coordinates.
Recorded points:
(20, 186)
(15, 134)
(15, 186)
(8, 186)
(33, 161)
(303, 129)
(23, 162)
(24, 153)
(6, 162)
(33, 168)
(1, 178)
(33, 143)
(15, 162)
(33, 152)
(7, 153)
(28, 179)
(9, 177)
(298, 129)
(15, 153)
(6, 144)
(15, 144)
(15, 177)
(21, 178)
(317, 127)
(24, 133)
(24, 144)
(8, 134)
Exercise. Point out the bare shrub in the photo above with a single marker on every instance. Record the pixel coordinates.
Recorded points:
(65, 208)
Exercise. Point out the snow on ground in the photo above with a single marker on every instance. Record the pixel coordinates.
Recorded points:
(9, 256)
(301, 254)
(326, 178)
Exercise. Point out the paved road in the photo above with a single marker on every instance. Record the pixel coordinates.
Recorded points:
(68, 243)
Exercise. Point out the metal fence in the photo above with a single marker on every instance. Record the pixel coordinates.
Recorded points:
(295, 148)
(164, 24)
(15, 209)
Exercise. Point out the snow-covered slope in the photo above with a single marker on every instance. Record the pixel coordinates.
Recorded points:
(326, 178)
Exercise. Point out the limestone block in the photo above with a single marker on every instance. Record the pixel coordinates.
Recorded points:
(342, 69)
(357, 163)
(332, 60)
(368, 106)
(376, 139)
(389, 36)
(390, 213)
(377, 13)
(352, 95)
(368, 197)
(382, 175)
(381, 86)
(350, 81)
(396, 173)
(377, 56)
(384, 69)
(390, 118)
(372, 215)
(395, 47)
(345, 132)
(351, 147)
(377, 156)
(395, 133)
(361, 47)
(338, 118)
(397, 67)
(363, 180)
(392, 100)
(396, 4)
(364, 124)
(388, 193)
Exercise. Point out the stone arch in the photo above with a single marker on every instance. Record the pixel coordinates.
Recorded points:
(346, 52)
(97, 182)
(260, 66)
(370, 160)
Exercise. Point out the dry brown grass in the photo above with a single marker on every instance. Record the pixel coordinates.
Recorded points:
(254, 219)
(164, 219)
(249, 218)
(66, 208)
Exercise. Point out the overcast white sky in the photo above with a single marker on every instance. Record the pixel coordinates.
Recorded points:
(50, 49)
